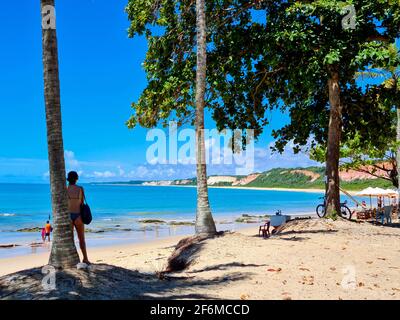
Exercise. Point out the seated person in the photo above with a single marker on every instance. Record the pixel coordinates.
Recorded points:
(364, 204)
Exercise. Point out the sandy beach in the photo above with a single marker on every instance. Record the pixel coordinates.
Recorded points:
(309, 259)
(309, 190)
(228, 187)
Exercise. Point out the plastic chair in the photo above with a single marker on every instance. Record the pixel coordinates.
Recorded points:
(380, 215)
(388, 213)
(264, 230)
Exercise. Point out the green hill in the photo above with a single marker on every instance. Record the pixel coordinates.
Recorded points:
(301, 178)
(291, 178)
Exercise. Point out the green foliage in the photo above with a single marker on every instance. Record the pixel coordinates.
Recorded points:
(321, 46)
(360, 150)
(282, 59)
(361, 184)
(284, 178)
(332, 216)
(287, 178)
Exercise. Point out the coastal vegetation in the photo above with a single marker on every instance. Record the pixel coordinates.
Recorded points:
(300, 57)
(352, 179)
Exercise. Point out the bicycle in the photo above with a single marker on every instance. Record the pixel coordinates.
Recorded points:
(345, 211)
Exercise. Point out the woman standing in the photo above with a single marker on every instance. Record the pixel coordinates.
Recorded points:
(75, 201)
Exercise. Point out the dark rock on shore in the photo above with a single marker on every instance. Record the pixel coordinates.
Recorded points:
(34, 229)
(181, 223)
(151, 221)
(88, 230)
(246, 220)
(7, 246)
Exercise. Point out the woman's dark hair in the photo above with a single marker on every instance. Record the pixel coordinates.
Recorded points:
(72, 177)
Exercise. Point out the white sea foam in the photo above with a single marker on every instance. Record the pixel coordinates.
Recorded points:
(7, 214)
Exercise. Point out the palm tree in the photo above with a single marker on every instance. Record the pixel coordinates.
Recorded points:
(204, 220)
(63, 251)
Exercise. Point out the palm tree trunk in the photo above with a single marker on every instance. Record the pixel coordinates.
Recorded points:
(63, 250)
(333, 148)
(204, 220)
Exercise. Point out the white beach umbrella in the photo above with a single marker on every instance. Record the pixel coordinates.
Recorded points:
(370, 192)
(381, 192)
(391, 193)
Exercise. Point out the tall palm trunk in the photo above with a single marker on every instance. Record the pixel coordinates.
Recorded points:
(204, 220)
(333, 148)
(63, 250)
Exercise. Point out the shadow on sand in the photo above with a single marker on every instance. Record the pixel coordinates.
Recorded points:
(226, 266)
(106, 282)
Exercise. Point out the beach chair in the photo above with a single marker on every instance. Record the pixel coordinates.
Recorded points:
(264, 230)
(380, 215)
(361, 215)
(387, 213)
(395, 212)
(364, 214)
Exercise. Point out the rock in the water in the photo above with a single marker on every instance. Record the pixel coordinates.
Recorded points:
(7, 246)
(35, 229)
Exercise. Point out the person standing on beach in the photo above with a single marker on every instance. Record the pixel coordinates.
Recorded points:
(380, 202)
(75, 200)
(47, 230)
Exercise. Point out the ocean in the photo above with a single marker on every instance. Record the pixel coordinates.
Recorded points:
(117, 210)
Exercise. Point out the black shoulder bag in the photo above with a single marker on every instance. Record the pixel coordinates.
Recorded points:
(86, 213)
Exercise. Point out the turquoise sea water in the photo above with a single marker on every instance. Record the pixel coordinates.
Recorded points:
(117, 209)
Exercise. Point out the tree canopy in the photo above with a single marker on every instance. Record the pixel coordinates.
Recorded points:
(264, 55)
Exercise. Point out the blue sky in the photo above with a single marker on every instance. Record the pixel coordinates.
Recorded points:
(101, 75)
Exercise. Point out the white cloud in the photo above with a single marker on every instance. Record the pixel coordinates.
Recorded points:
(121, 171)
(105, 174)
(70, 160)
(224, 164)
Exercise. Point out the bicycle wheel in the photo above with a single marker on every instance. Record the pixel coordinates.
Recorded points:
(345, 212)
(320, 210)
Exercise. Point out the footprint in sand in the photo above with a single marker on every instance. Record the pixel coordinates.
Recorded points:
(308, 280)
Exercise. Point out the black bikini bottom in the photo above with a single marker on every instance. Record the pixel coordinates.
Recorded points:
(74, 216)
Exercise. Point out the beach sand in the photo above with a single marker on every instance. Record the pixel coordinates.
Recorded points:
(307, 190)
(310, 190)
(310, 259)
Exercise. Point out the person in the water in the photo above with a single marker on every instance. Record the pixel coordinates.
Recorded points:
(46, 231)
